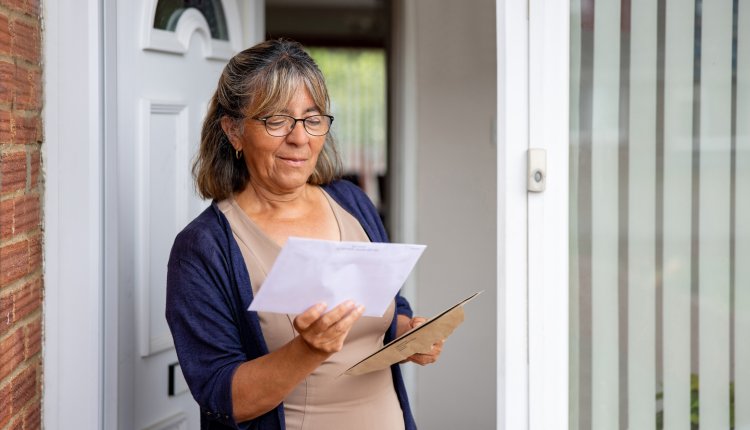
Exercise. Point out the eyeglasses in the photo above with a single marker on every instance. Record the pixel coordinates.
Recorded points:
(282, 125)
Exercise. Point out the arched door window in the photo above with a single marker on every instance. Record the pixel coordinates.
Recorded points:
(170, 24)
(168, 13)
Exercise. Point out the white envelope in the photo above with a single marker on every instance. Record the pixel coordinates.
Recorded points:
(309, 271)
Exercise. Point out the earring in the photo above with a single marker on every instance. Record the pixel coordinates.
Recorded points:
(237, 153)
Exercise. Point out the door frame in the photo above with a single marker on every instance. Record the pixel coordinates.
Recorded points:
(73, 153)
(532, 343)
(532, 243)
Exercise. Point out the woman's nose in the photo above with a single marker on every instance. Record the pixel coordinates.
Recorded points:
(298, 133)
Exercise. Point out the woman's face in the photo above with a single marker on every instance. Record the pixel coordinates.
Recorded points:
(282, 164)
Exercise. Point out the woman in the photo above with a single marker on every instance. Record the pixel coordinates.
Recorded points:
(268, 163)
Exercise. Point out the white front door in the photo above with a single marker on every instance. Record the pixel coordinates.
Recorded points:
(169, 58)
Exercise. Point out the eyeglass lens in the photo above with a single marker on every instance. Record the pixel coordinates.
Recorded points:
(282, 125)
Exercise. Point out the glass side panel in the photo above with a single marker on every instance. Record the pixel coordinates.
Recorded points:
(660, 198)
(168, 12)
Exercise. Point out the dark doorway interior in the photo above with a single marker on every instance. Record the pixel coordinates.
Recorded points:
(349, 39)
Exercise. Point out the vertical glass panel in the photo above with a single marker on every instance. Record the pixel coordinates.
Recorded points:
(168, 12)
(677, 172)
(356, 80)
(660, 155)
(741, 234)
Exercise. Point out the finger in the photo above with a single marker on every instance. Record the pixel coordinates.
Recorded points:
(417, 321)
(336, 333)
(304, 320)
(333, 337)
(346, 322)
(422, 359)
(333, 316)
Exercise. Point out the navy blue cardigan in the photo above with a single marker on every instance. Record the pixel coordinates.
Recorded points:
(208, 293)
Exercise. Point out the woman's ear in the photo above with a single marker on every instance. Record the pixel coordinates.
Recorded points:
(230, 130)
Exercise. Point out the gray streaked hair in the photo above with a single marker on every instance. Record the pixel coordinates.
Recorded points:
(256, 82)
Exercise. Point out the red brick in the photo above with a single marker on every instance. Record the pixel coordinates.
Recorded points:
(17, 424)
(14, 261)
(7, 76)
(4, 35)
(28, 300)
(12, 171)
(6, 127)
(33, 338)
(36, 166)
(25, 41)
(27, 129)
(32, 420)
(6, 406)
(11, 353)
(40, 376)
(6, 314)
(26, 214)
(28, 89)
(35, 253)
(28, 7)
(24, 387)
(7, 207)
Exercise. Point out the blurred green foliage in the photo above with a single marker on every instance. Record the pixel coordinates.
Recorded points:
(695, 405)
(356, 80)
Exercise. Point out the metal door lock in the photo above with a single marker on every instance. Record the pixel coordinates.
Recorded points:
(536, 180)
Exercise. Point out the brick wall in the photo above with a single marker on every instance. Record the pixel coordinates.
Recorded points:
(20, 215)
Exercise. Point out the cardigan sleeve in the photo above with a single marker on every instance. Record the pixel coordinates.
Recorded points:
(202, 320)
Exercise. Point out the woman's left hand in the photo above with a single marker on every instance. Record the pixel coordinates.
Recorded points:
(405, 324)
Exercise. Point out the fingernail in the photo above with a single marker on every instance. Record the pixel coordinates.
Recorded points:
(321, 306)
(361, 309)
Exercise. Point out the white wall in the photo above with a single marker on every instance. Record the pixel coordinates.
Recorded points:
(452, 45)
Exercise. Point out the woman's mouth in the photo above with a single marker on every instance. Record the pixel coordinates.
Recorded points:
(293, 161)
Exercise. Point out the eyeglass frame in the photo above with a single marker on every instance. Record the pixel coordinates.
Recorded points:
(304, 124)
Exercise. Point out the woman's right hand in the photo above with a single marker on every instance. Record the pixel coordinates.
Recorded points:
(259, 385)
(324, 333)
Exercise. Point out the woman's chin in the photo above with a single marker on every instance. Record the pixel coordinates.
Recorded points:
(292, 182)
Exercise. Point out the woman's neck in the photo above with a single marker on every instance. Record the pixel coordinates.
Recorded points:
(256, 199)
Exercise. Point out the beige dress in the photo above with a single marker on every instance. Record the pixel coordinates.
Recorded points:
(325, 399)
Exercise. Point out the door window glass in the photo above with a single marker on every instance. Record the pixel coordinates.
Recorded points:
(660, 203)
(168, 13)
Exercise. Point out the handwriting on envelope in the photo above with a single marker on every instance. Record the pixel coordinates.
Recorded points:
(309, 271)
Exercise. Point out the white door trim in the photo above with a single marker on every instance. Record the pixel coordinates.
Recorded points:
(549, 47)
(512, 144)
(533, 73)
(73, 218)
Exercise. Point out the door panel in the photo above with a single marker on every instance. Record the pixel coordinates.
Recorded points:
(165, 77)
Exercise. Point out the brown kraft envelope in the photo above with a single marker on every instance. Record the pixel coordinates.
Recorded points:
(417, 340)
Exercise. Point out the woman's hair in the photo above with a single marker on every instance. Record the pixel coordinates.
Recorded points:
(258, 81)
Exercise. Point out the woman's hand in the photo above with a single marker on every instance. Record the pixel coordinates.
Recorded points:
(259, 385)
(405, 324)
(325, 333)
